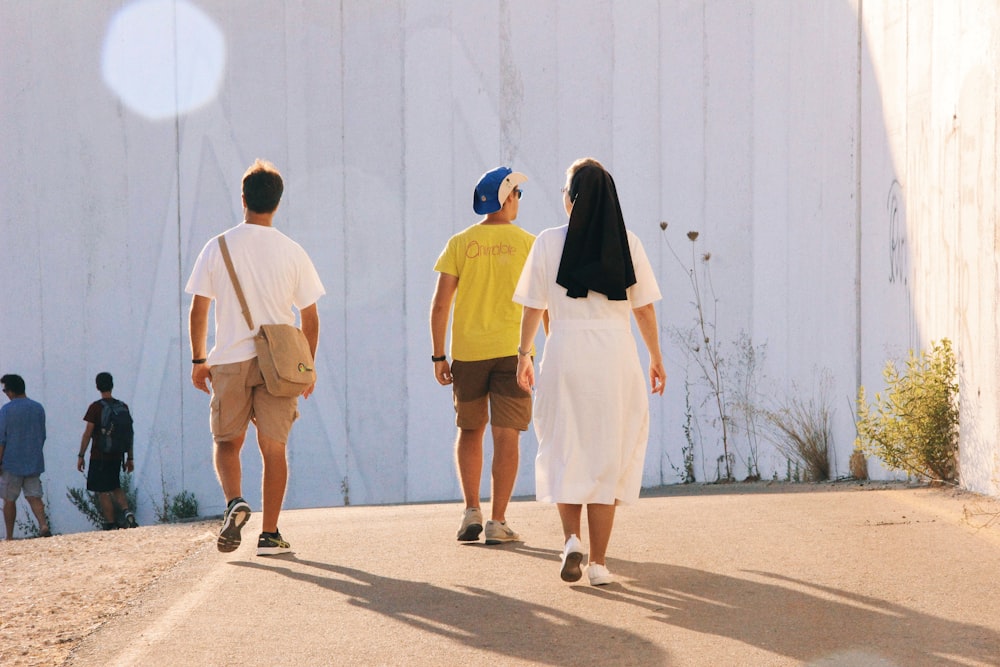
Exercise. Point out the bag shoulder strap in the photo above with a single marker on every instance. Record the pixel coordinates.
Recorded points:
(106, 405)
(236, 282)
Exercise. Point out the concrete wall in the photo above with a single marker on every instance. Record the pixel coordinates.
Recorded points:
(838, 159)
(930, 183)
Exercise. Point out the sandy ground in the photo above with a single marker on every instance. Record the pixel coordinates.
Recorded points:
(55, 591)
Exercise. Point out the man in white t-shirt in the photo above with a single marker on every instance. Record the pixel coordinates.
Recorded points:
(276, 275)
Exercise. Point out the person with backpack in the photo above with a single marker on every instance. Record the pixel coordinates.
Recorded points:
(109, 434)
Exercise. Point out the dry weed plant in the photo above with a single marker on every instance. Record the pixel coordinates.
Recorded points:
(858, 465)
(801, 430)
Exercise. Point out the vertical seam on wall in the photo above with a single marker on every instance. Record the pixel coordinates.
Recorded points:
(660, 204)
(346, 276)
(750, 172)
(857, 198)
(405, 209)
(704, 116)
(180, 286)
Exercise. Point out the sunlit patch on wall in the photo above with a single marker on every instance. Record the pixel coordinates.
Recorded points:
(163, 57)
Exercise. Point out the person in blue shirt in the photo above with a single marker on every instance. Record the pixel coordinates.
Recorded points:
(22, 435)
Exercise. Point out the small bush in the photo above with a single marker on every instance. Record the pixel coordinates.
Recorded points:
(914, 427)
(89, 505)
(858, 465)
(184, 505)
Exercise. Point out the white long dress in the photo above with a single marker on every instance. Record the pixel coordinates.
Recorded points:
(591, 412)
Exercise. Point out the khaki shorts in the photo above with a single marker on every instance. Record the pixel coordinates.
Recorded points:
(240, 397)
(492, 384)
(11, 486)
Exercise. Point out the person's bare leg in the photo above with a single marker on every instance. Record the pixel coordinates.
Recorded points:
(469, 460)
(274, 482)
(506, 454)
(600, 521)
(572, 554)
(38, 508)
(227, 467)
(570, 516)
(104, 500)
(118, 496)
(9, 514)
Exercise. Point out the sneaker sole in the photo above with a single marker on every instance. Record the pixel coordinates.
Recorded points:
(471, 533)
(502, 539)
(229, 537)
(571, 568)
(273, 551)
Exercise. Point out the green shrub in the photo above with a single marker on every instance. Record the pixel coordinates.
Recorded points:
(184, 505)
(88, 504)
(914, 427)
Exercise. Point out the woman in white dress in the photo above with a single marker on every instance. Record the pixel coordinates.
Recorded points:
(591, 412)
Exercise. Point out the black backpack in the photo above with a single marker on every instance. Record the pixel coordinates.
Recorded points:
(114, 436)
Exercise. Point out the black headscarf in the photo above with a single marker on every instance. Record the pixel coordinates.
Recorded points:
(596, 255)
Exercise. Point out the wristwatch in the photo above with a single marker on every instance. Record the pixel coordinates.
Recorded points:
(443, 357)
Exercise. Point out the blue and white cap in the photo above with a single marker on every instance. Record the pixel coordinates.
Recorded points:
(493, 189)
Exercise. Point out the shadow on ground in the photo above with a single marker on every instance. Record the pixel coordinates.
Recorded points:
(481, 619)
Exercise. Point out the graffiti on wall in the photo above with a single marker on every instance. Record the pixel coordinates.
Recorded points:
(897, 234)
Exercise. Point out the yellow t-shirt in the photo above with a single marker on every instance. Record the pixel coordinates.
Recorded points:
(487, 260)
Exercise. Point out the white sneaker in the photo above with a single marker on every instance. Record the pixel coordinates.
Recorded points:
(572, 556)
(599, 575)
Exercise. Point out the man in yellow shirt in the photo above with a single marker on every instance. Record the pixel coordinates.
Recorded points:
(478, 271)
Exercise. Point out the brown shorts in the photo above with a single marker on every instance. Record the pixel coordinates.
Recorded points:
(492, 384)
(239, 397)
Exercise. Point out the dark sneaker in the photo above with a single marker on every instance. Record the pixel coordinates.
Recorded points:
(109, 525)
(272, 544)
(236, 516)
(45, 533)
(472, 525)
(130, 521)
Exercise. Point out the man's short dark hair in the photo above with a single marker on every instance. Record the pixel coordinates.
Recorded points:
(104, 381)
(262, 187)
(13, 383)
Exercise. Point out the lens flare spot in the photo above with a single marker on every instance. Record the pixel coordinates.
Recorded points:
(163, 58)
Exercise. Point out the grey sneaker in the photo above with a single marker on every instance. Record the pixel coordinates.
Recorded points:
(498, 532)
(472, 525)
(236, 516)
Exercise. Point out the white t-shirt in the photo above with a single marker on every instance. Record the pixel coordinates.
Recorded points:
(275, 274)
